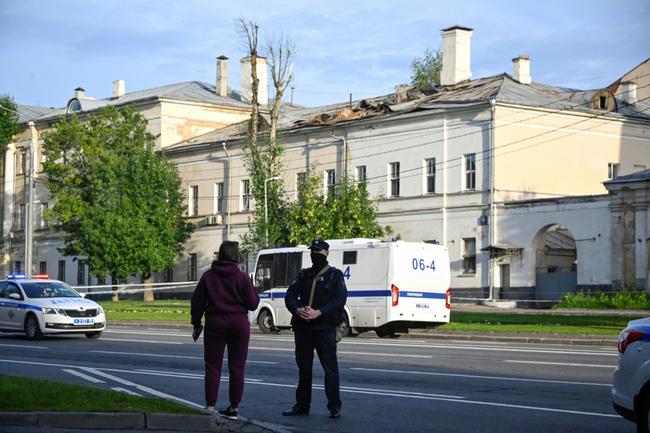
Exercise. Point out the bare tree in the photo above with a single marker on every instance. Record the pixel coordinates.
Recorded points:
(281, 51)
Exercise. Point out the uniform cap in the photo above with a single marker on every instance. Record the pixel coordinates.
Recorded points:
(319, 245)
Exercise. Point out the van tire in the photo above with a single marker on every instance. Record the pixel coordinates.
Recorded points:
(265, 322)
(32, 328)
(386, 331)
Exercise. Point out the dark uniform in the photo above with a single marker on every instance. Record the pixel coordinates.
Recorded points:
(330, 295)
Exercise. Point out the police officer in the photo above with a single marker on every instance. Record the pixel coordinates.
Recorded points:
(316, 299)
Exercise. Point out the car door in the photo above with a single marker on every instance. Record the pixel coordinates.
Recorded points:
(4, 306)
(15, 313)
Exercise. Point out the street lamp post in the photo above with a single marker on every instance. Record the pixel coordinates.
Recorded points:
(266, 211)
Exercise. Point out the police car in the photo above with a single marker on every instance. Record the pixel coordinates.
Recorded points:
(40, 306)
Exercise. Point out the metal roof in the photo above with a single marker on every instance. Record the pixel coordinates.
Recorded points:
(639, 176)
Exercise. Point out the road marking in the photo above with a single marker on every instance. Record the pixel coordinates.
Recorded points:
(126, 391)
(142, 388)
(281, 349)
(156, 355)
(567, 364)
(124, 340)
(22, 347)
(475, 376)
(153, 332)
(83, 376)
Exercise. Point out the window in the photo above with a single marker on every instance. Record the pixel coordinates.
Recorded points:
(193, 201)
(469, 255)
(263, 272)
(470, 171)
(20, 162)
(192, 267)
(638, 167)
(42, 268)
(301, 178)
(349, 257)
(81, 272)
(394, 179)
(245, 195)
(61, 273)
(430, 172)
(18, 267)
(361, 173)
(218, 198)
(330, 179)
(168, 275)
(42, 220)
(21, 217)
(612, 170)
(602, 102)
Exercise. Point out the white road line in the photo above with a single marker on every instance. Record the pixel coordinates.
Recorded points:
(165, 333)
(475, 376)
(22, 347)
(142, 388)
(156, 355)
(567, 364)
(83, 376)
(280, 349)
(126, 391)
(124, 340)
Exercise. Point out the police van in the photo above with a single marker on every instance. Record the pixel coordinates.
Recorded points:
(392, 286)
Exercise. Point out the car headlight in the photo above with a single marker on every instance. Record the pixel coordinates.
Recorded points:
(100, 310)
(47, 310)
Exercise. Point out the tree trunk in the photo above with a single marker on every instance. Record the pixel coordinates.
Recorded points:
(148, 289)
(116, 297)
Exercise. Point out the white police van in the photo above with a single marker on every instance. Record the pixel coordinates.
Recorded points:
(392, 286)
(40, 306)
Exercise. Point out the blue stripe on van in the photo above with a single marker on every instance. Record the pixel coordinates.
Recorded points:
(368, 293)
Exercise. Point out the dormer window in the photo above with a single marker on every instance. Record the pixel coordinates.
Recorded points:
(603, 100)
(73, 106)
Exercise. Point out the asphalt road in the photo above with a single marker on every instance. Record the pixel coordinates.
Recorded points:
(387, 384)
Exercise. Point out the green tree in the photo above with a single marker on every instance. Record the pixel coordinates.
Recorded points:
(8, 119)
(118, 202)
(425, 71)
(347, 213)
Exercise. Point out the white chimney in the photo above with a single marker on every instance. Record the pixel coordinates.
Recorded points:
(222, 76)
(79, 93)
(262, 76)
(456, 55)
(521, 69)
(119, 88)
(627, 92)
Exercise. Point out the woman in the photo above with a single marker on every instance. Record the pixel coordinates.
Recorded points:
(225, 295)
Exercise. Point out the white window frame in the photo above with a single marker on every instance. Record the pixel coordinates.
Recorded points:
(193, 201)
(394, 179)
(428, 164)
(469, 173)
(468, 255)
(613, 170)
(42, 223)
(245, 195)
(219, 198)
(330, 182)
(361, 173)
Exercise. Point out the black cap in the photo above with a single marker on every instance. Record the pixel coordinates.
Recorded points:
(319, 245)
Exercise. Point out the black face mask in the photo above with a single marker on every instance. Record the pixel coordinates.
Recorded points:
(319, 261)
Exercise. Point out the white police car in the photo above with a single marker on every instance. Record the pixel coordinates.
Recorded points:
(39, 306)
(631, 390)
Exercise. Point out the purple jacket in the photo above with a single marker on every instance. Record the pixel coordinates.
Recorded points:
(223, 289)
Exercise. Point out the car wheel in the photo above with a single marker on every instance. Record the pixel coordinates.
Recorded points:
(94, 334)
(265, 322)
(32, 329)
(643, 415)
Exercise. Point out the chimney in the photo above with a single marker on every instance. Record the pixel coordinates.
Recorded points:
(521, 69)
(79, 92)
(456, 55)
(246, 80)
(222, 75)
(118, 88)
(627, 92)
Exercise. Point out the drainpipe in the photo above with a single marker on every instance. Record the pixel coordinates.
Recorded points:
(492, 236)
(345, 152)
(29, 212)
(445, 158)
(223, 143)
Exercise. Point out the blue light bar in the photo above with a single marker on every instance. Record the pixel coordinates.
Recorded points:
(16, 277)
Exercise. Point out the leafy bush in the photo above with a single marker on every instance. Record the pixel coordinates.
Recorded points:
(626, 300)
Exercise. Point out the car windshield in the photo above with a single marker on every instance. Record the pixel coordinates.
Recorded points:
(49, 289)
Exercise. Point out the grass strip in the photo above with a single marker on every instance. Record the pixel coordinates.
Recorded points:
(22, 394)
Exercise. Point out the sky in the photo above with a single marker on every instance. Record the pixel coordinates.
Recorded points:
(342, 47)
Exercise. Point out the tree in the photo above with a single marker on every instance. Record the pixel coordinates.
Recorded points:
(8, 119)
(425, 71)
(118, 202)
(346, 213)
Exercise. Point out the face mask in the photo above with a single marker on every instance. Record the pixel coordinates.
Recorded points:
(318, 259)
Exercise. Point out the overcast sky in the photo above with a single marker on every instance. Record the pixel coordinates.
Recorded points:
(359, 47)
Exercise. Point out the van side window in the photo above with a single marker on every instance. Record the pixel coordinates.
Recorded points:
(294, 264)
(349, 257)
(263, 272)
(280, 270)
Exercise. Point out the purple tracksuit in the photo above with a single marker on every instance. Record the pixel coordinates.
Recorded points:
(225, 295)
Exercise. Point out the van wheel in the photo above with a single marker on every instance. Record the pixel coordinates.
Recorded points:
(94, 334)
(32, 330)
(643, 415)
(265, 323)
(386, 331)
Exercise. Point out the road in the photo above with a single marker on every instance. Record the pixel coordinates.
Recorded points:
(396, 385)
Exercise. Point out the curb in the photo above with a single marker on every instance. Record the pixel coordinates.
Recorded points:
(135, 421)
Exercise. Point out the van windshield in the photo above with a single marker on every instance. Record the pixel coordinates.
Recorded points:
(49, 289)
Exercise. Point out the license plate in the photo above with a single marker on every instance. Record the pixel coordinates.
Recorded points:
(83, 321)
